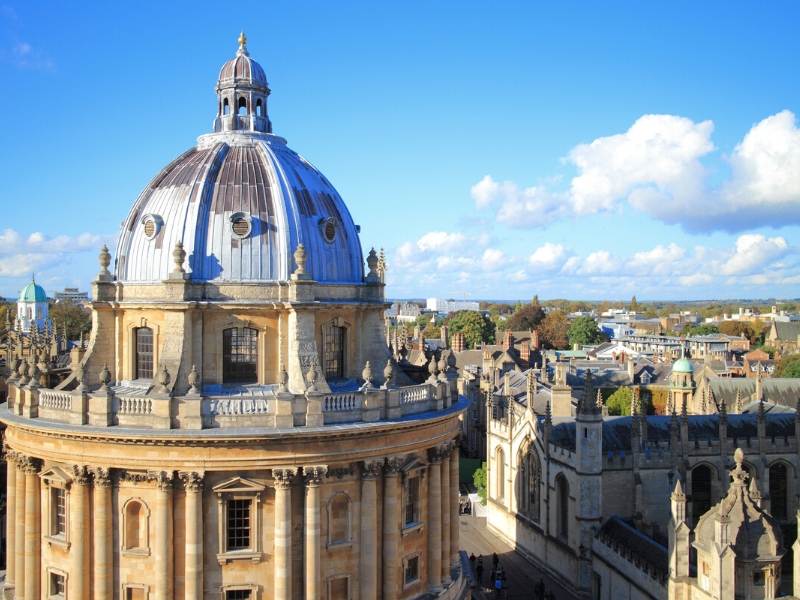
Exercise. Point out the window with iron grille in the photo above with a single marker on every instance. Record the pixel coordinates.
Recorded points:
(239, 525)
(333, 341)
(412, 501)
(58, 587)
(239, 355)
(237, 595)
(144, 353)
(58, 508)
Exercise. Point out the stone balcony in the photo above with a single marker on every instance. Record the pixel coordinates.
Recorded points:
(137, 405)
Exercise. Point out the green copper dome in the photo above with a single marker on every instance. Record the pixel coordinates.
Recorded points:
(33, 292)
(682, 365)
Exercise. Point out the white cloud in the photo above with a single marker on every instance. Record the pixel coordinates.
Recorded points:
(660, 260)
(518, 207)
(440, 240)
(753, 252)
(492, 258)
(695, 279)
(600, 262)
(548, 257)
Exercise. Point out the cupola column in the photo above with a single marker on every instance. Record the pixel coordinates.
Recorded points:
(368, 570)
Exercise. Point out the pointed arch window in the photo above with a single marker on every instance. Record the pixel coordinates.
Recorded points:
(143, 346)
(778, 491)
(500, 474)
(240, 355)
(562, 506)
(701, 491)
(529, 484)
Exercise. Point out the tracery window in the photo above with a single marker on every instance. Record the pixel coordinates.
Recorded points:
(334, 340)
(143, 341)
(562, 506)
(529, 483)
(239, 355)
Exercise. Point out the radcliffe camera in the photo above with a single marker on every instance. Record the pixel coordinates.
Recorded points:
(521, 323)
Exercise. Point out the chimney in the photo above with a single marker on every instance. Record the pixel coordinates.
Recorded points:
(445, 336)
(421, 343)
(631, 368)
(458, 341)
(525, 352)
(535, 343)
(508, 341)
(417, 332)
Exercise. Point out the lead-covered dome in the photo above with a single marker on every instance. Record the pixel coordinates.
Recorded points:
(240, 203)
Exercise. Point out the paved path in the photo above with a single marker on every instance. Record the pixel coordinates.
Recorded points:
(521, 575)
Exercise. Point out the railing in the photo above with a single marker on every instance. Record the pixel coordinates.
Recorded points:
(342, 402)
(230, 407)
(415, 394)
(55, 400)
(135, 406)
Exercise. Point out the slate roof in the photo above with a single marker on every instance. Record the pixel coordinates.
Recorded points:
(787, 332)
(639, 548)
(784, 391)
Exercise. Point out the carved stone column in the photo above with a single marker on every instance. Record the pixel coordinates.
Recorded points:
(435, 519)
(11, 514)
(313, 479)
(19, 536)
(368, 564)
(102, 519)
(283, 533)
(193, 581)
(391, 529)
(78, 520)
(163, 526)
(445, 475)
(33, 535)
(454, 507)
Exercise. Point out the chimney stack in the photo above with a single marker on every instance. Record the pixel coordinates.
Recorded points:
(445, 336)
(535, 343)
(458, 342)
(508, 341)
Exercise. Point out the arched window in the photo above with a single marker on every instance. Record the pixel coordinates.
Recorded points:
(135, 535)
(532, 490)
(239, 355)
(258, 107)
(334, 341)
(143, 344)
(242, 109)
(701, 491)
(339, 519)
(500, 473)
(778, 491)
(226, 109)
(562, 506)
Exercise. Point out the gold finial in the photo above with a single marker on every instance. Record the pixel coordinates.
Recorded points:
(242, 40)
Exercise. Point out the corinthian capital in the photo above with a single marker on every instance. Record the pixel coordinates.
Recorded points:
(102, 476)
(314, 474)
(283, 476)
(192, 481)
(162, 479)
(81, 475)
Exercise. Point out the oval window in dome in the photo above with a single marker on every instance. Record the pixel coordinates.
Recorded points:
(151, 225)
(329, 229)
(240, 225)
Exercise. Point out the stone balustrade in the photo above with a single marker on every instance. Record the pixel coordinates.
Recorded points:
(125, 406)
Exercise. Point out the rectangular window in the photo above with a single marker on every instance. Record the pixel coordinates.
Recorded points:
(58, 508)
(237, 595)
(412, 501)
(412, 570)
(136, 593)
(58, 586)
(144, 353)
(333, 351)
(239, 525)
(240, 355)
(339, 589)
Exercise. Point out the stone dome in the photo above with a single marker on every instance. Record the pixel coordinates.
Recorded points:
(240, 202)
(753, 533)
(33, 292)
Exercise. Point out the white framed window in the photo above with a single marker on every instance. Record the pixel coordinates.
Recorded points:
(56, 584)
(57, 483)
(239, 520)
(135, 527)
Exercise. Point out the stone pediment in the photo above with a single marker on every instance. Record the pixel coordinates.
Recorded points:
(238, 485)
(56, 475)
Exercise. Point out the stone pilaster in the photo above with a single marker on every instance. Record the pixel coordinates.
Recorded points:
(193, 562)
(368, 563)
(19, 519)
(454, 506)
(445, 475)
(283, 533)
(163, 526)
(102, 519)
(391, 529)
(11, 514)
(33, 535)
(435, 519)
(313, 478)
(78, 528)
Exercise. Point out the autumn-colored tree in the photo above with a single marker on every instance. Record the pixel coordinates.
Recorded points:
(553, 330)
(619, 403)
(77, 319)
(526, 318)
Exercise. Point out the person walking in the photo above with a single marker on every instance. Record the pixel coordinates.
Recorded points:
(479, 572)
(538, 590)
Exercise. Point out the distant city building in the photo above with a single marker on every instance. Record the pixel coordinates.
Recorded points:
(73, 295)
(447, 306)
(404, 312)
(32, 308)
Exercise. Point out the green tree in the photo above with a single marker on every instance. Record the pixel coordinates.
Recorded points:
(634, 305)
(553, 330)
(701, 329)
(474, 325)
(619, 403)
(526, 318)
(77, 319)
(584, 330)
(789, 366)
(479, 479)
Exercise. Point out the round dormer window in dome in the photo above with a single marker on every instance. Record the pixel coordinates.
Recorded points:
(151, 225)
(329, 229)
(241, 225)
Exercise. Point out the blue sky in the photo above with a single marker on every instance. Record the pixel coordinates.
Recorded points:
(581, 150)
